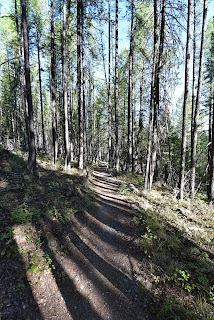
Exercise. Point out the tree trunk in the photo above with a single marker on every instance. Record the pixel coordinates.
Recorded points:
(158, 66)
(40, 92)
(53, 86)
(211, 134)
(65, 93)
(32, 145)
(130, 91)
(83, 87)
(25, 92)
(20, 76)
(109, 85)
(116, 92)
(133, 118)
(193, 73)
(151, 137)
(198, 101)
(11, 103)
(211, 191)
(210, 130)
(79, 76)
(186, 92)
(140, 128)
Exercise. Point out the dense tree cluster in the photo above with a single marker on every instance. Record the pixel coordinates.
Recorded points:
(53, 100)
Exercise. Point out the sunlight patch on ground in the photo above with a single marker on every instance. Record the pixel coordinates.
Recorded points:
(43, 284)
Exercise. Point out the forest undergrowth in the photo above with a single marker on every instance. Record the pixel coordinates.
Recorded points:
(175, 239)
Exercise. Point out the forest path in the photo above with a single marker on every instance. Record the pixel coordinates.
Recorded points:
(94, 267)
(102, 266)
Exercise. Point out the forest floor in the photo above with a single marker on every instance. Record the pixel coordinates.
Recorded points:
(83, 248)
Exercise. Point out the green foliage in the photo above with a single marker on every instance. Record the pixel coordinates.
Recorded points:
(61, 276)
(168, 307)
(23, 214)
(20, 286)
(7, 234)
(181, 279)
(211, 294)
(40, 263)
(59, 215)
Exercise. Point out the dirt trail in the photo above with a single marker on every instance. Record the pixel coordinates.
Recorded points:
(95, 269)
(102, 266)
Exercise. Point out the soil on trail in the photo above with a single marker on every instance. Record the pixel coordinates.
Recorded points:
(102, 267)
(95, 263)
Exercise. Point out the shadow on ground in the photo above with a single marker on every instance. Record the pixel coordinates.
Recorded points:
(87, 237)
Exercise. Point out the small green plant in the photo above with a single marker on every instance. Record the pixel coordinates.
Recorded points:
(20, 286)
(39, 263)
(61, 276)
(24, 214)
(211, 294)
(181, 279)
(49, 261)
(147, 238)
(168, 306)
(71, 211)
(7, 234)
(59, 215)
(155, 278)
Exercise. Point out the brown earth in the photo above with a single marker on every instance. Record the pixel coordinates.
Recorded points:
(96, 270)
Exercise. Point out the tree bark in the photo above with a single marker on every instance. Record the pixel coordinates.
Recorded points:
(116, 93)
(130, 91)
(211, 193)
(32, 145)
(159, 42)
(186, 92)
(151, 137)
(198, 101)
(193, 73)
(83, 87)
(211, 156)
(40, 91)
(20, 77)
(65, 93)
(53, 86)
(133, 117)
(109, 85)
(140, 128)
(79, 76)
